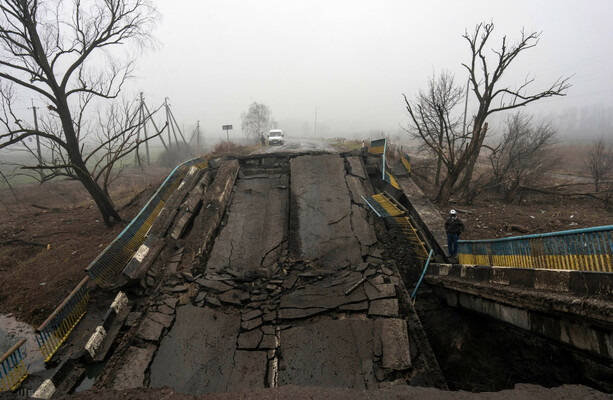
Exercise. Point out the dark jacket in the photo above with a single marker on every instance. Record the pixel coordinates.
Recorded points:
(454, 225)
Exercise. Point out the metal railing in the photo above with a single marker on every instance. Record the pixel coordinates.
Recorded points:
(54, 331)
(116, 255)
(406, 161)
(384, 207)
(589, 249)
(12, 368)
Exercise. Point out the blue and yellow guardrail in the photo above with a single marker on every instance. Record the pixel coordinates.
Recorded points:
(589, 249)
(377, 146)
(54, 331)
(13, 370)
(383, 206)
(406, 161)
(120, 251)
(391, 180)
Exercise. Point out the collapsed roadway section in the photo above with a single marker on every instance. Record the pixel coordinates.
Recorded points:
(266, 271)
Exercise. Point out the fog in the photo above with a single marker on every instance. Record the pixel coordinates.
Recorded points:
(352, 60)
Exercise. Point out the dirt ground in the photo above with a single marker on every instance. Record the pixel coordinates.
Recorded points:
(49, 233)
(488, 216)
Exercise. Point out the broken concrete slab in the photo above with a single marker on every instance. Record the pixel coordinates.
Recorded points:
(269, 342)
(164, 309)
(379, 291)
(299, 313)
(384, 307)
(362, 230)
(251, 315)
(314, 296)
(328, 353)
(213, 285)
(268, 329)
(249, 370)
(362, 306)
(213, 206)
(201, 296)
(290, 281)
(212, 300)
(164, 319)
(356, 189)
(131, 373)
(205, 341)
(150, 330)
(356, 167)
(395, 343)
(251, 324)
(257, 225)
(321, 220)
(144, 257)
(231, 297)
(250, 340)
(269, 316)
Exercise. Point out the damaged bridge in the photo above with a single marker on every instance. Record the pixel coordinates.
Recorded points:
(268, 271)
(288, 270)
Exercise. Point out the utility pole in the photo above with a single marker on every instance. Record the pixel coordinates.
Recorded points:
(39, 155)
(38, 152)
(168, 123)
(140, 122)
(142, 113)
(198, 137)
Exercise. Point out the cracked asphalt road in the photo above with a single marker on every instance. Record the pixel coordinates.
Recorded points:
(297, 145)
(294, 291)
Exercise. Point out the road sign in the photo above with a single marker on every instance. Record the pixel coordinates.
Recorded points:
(227, 128)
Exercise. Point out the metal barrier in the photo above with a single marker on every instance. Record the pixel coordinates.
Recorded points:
(397, 218)
(589, 249)
(406, 161)
(116, 255)
(13, 370)
(54, 331)
(391, 180)
(377, 146)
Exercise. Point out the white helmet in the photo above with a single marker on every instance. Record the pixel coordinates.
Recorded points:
(453, 212)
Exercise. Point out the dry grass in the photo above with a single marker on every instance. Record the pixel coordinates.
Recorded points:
(226, 148)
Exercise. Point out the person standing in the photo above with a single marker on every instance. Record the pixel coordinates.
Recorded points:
(454, 228)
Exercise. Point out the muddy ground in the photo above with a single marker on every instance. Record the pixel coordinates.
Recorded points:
(49, 233)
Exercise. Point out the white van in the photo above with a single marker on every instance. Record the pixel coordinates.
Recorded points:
(275, 136)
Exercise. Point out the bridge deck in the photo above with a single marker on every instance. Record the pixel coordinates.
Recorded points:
(295, 291)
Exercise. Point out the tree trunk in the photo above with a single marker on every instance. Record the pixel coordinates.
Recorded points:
(472, 160)
(444, 192)
(102, 200)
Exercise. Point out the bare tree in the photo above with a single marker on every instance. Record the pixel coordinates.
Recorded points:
(55, 50)
(600, 161)
(523, 155)
(485, 81)
(432, 122)
(257, 120)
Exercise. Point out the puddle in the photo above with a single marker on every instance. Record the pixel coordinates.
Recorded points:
(92, 371)
(11, 331)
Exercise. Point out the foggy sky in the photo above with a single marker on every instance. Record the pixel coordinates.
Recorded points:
(352, 60)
